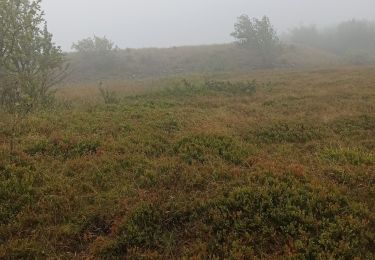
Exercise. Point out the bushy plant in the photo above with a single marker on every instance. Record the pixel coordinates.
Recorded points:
(30, 63)
(65, 148)
(258, 34)
(353, 156)
(201, 147)
(186, 87)
(352, 39)
(271, 216)
(109, 97)
(287, 133)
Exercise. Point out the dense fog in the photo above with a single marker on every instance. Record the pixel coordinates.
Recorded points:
(164, 23)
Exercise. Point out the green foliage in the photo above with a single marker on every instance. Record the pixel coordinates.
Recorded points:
(348, 155)
(170, 126)
(108, 96)
(170, 176)
(246, 88)
(351, 39)
(201, 147)
(147, 226)
(258, 34)
(354, 126)
(30, 62)
(186, 87)
(287, 133)
(92, 45)
(18, 189)
(155, 145)
(65, 148)
(303, 220)
(354, 180)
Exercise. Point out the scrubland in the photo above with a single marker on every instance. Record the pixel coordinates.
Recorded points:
(259, 164)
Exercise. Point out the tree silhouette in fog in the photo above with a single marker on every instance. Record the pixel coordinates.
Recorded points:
(258, 34)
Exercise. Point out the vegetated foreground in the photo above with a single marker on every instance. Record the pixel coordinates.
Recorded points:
(283, 166)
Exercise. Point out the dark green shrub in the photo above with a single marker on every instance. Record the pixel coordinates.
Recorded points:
(208, 87)
(248, 88)
(170, 125)
(154, 145)
(272, 216)
(287, 133)
(66, 148)
(201, 148)
(293, 215)
(350, 126)
(18, 189)
(353, 156)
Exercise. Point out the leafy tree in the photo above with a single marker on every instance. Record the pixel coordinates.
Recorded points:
(96, 54)
(259, 35)
(357, 35)
(95, 44)
(353, 39)
(30, 63)
(307, 35)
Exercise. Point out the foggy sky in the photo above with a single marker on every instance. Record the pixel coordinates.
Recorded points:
(166, 23)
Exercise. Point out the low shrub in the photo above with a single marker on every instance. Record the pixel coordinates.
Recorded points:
(200, 148)
(66, 148)
(169, 125)
(109, 97)
(271, 216)
(351, 126)
(287, 133)
(18, 189)
(353, 156)
(186, 87)
(248, 88)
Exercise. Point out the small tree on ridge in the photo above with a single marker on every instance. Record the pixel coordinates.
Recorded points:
(259, 35)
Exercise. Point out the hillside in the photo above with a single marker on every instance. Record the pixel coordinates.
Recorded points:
(146, 63)
(282, 166)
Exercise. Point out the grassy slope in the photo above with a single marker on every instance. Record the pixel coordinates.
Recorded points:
(145, 63)
(197, 171)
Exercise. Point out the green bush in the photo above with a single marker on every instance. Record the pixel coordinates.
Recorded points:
(186, 87)
(271, 216)
(287, 133)
(353, 156)
(248, 88)
(170, 125)
(201, 148)
(66, 148)
(153, 145)
(351, 126)
(18, 189)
